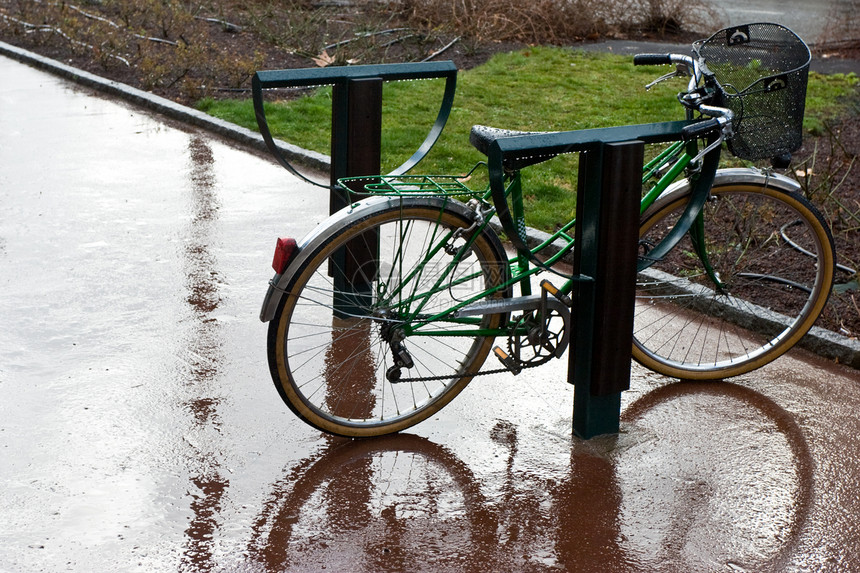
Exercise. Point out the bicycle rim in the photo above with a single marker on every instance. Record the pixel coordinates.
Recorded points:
(330, 351)
(773, 256)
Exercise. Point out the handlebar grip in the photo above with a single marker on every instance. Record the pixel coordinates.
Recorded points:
(701, 128)
(651, 59)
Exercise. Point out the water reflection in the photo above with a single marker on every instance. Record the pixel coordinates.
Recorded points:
(349, 369)
(395, 503)
(586, 516)
(624, 503)
(202, 354)
(724, 482)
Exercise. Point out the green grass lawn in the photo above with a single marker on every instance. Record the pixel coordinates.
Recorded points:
(539, 88)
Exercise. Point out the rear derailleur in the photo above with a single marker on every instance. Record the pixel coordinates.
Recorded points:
(393, 334)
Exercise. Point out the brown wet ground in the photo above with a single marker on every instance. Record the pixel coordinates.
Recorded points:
(140, 431)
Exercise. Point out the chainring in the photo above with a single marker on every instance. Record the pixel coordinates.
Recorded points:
(530, 348)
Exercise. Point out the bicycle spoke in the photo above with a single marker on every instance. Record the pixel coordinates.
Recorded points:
(340, 365)
(769, 291)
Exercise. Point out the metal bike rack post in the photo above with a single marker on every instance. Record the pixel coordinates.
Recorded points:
(356, 142)
(356, 150)
(605, 257)
(356, 107)
(610, 182)
(356, 132)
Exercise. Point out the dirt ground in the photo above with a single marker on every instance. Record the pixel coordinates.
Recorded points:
(216, 54)
(834, 187)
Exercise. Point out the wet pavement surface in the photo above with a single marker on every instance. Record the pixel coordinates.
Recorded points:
(812, 20)
(140, 431)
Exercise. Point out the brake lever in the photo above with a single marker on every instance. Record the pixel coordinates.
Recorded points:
(682, 70)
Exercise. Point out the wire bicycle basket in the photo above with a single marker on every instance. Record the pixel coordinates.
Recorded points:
(761, 72)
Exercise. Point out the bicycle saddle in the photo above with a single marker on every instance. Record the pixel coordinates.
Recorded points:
(482, 136)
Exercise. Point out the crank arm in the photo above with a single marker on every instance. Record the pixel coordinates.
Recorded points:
(517, 304)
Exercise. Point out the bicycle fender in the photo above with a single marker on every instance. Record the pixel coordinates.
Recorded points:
(742, 175)
(280, 284)
(700, 187)
(699, 192)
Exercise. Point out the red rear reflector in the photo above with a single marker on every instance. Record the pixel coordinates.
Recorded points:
(284, 251)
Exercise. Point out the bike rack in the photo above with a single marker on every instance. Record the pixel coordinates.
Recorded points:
(356, 114)
(605, 257)
(355, 143)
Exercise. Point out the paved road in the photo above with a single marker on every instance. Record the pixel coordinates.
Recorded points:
(815, 21)
(812, 20)
(139, 429)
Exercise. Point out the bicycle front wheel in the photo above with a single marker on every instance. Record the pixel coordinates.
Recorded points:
(359, 349)
(739, 292)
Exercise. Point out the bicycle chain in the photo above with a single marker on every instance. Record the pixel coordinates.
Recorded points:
(523, 366)
(484, 373)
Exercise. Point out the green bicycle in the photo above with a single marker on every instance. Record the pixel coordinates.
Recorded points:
(386, 311)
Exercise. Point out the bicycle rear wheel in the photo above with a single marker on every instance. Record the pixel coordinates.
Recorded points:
(773, 257)
(333, 350)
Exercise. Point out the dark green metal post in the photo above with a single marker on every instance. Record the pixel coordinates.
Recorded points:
(356, 145)
(606, 238)
(356, 132)
(605, 258)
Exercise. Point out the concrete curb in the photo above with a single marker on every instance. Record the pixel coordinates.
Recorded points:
(146, 100)
(822, 342)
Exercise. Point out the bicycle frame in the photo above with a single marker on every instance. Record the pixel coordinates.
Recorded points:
(671, 162)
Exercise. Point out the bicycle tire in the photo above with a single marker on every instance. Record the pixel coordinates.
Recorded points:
(332, 370)
(771, 294)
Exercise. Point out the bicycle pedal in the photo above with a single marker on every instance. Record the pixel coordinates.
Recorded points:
(551, 289)
(507, 360)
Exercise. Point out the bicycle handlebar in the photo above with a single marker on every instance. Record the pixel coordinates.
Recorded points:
(720, 117)
(652, 59)
(685, 65)
(701, 129)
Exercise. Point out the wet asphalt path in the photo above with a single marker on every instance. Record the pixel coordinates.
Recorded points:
(139, 429)
(812, 20)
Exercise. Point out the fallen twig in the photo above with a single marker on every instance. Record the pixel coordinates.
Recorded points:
(59, 32)
(441, 50)
(397, 40)
(228, 26)
(366, 35)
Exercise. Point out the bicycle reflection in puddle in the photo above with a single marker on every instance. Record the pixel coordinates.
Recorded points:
(726, 484)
